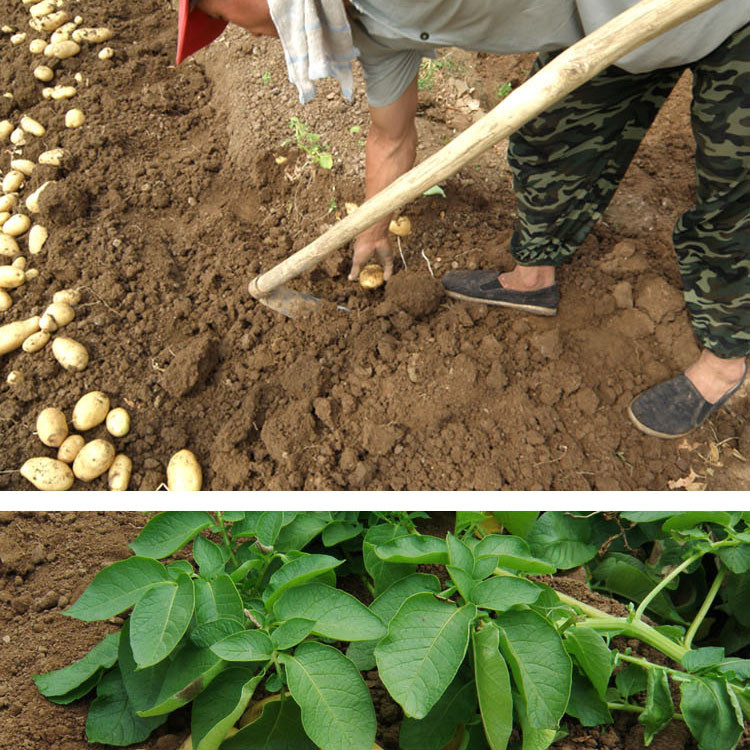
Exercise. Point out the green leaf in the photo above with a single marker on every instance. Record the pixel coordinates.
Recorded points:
(209, 556)
(659, 707)
(737, 559)
(325, 160)
(501, 593)
(592, 655)
(513, 553)
(585, 704)
(459, 555)
(216, 600)
(456, 706)
(646, 516)
(62, 681)
(292, 632)
(435, 190)
(631, 680)
(177, 567)
(336, 614)
(493, 687)
(337, 711)
(78, 692)
(219, 706)
(541, 667)
(234, 515)
(414, 548)
(211, 632)
(740, 667)
(117, 588)
(701, 658)
(249, 645)
(298, 533)
(689, 519)
(340, 531)
(424, 647)
(517, 522)
(533, 737)
(463, 580)
(561, 540)
(279, 727)
(167, 532)
(712, 713)
(383, 573)
(111, 719)
(297, 572)
(269, 526)
(160, 619)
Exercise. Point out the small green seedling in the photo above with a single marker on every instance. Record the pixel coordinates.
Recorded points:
(309, 142)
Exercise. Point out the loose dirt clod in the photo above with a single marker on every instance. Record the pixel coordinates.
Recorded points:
(417, 293)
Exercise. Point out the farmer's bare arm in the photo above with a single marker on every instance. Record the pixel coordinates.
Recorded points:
(391, 148)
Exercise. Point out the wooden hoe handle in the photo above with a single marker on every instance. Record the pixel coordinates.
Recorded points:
(559, 77)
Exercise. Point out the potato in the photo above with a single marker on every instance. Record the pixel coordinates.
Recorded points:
(63, 92)
(8, 201)
(51, 427)
(35, 342)
(11, 277)
(25, 166)
(48, 474)
(32, 202)
(62, 49)
(19, 262)
(17, 225)
(400, 226)
(6, 301)
(4, 216)
(37, 237)
(13, 181)
(8, 245)
(36, 46)
(32, 126)
(54, 157)
(92, 35)
(93, 460)
(71, 354)
(44, 8)
(118, 422)
(105, 53)
(74, 118)
(71, 296)
(184, 472)
(350, 208)
(70, 447)
(31, 273)
(118, 478)
(18, 137)
(371, 276)
(52, 22)
(12, 335)
(15, 377)
(18, 38)
(90, 410)
(44, 73)
(57, 315)
(6, 128)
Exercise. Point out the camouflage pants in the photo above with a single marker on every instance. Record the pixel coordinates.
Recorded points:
(568, 162)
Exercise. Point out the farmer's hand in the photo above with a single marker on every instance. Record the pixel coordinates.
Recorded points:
(365, 248)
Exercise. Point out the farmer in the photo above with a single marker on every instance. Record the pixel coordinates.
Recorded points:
(566, 163)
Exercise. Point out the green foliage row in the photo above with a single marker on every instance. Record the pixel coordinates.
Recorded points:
(471, 640)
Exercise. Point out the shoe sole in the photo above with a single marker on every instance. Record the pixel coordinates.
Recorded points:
(654, 433)
(535, 309)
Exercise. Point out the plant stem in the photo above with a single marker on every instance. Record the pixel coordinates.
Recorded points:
(663, 583)
(225, 537)
(641, 631)
(636, 709)
(646, 664)
(710, 596)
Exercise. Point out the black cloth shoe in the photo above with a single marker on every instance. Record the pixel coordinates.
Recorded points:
(483, 286)
(673, 408)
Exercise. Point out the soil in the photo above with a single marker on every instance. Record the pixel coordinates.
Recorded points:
(172, 199)
(48, 559)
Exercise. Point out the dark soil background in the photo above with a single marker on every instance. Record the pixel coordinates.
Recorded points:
(172, 200)
(48, 559)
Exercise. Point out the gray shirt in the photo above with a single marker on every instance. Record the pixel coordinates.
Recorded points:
(393, 36)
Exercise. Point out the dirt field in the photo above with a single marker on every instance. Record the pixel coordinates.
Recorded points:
(172, 199)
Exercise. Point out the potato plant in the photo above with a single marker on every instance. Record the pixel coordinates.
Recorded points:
(472, 646)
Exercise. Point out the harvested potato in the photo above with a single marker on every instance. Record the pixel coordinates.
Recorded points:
(25, 166)
(54, 157)
(32, 202)
(19, 262)
(36, 46)
(371, 276)
(37, 237)
(90, 410)
(15, 377)
(8, 201)
(18, 137)
(36, 342)
(18, 38)
(62, 49)
(93, 460)
(92, 35)
(13, 181)
(6, 301)
(44, 8)
(71, 296)
(11, 277)
(32, 126)
(17, 225)
(4, 216)
(63, 92)
(32, 273)
(71, 354)
(48, 474)
(6, 128)
(105, 53)
(12, 335)
(8, 245)
(400, 226)
(118, 477)
(184, 472)
(70, 447)
(74, 118)
(118, 422)
(52, 22)
(62, 32)
(51, 426)
(350, 208)
(57, 315)
(44, 73)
